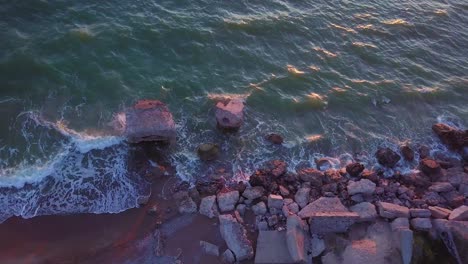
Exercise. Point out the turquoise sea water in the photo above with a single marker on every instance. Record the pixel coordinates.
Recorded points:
(335, 78)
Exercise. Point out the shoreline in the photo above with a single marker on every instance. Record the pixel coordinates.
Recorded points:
(324, 206)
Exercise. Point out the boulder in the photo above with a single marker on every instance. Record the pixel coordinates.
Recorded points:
(187, 206)
(275, 138)
(407, 152)
(454, 138)
(275, 201)
(459, 214)
(314, 176)
(365, 210)
(354, 169)
(209, 248)
(439, 212)
(420, 213)
(424, 151)
(227, 200)
(259, 208)
(235, 236)
(441, 187)
(149, 120)
(324, 164)
(208, 151)
(272, 248)
(241, 209)
(302, 196)
(421, 224)
(208, 206)
(387, 157)
(328, 215)
(430, 167)
(230, 113)
(363, 186)
(228, 257)
(297, 238)
(317, 246)
(389, 210)
(254, 192)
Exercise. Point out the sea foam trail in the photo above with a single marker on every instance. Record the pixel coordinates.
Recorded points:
(89, 174)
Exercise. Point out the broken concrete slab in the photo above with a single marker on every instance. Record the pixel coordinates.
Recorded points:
(323, 204)
(235, 236)
(297, 238)
(365, 210)
(272, 248)
(439, 212)
(389, 210)
(459, 214)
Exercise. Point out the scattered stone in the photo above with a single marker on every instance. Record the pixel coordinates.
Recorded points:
(441, 187)
(302, 196)
(288, 201)
(209, 248)
(230, 114)
(235, 236)
(453, 198)
(439, 212)
(432, 198)
(365, 210)
(459, 214)
(259, 208)
(421, 224)
(283, 190)
(363, 186)
(272, 220)
(389, 210)
(228, 257)
(354, 169)
(254, 192)
(208, 206)
(227, 200)
(208, 151)
(317, 245)
(387, 157)
(241, 209)
(323, 164)
(420, 213)
(407, 152)
(187, 206)
(275, 201)
(272, 248)
(296, 238)
(454, 138)
(275, 138)
(400, 223)
(149, 120)
(314, 176)
(430, 167)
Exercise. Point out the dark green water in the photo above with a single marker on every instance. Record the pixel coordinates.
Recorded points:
(336, 78)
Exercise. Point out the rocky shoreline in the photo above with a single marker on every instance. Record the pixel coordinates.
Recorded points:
(316, 214)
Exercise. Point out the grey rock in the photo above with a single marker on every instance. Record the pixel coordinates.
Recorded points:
(459, 214)
(227, 201)
(317, 246)
(421, 224)
(288, 201)
(187, 206)
(149, 120)
(230, 113)
(441, 187)
(323, 204)
(209, 248)
(259, 208)
(400, 223)
(363, 186)
(361, 251)
(283, 190)
(365, 210)
(389, 210)
(357, 198)
(208, 206)
(297, 238)
(228, 257)
(254, 192)
(241, 209)
(302, 196)
(439, 212)
(421, 213)
(235, 236)
(272, 220)
(275, 201)
(272, 248)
